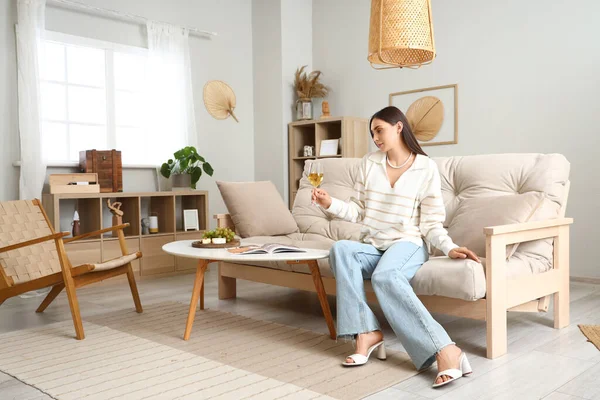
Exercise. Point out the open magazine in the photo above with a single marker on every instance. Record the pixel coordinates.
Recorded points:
(267, 248)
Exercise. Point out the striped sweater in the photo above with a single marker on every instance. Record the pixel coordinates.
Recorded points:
(413, 208)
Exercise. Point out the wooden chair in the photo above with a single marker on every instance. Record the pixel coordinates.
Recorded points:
(33, 256)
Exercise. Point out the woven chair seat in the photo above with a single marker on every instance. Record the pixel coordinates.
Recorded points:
(116, 262)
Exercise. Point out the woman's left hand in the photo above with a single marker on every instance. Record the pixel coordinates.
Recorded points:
(463, 252)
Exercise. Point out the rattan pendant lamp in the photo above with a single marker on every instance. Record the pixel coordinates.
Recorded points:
(400, 34)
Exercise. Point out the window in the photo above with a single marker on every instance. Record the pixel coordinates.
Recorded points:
(92, 98)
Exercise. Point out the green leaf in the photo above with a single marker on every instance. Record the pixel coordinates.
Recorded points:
(165, 170)
(170, 161)
(179, 154)
(200, 158)
(183, 165)
(208, 168)
(196, 174)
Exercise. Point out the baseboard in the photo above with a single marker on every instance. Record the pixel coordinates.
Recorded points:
(585, 279)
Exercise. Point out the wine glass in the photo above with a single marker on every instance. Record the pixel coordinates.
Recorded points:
(315, 176)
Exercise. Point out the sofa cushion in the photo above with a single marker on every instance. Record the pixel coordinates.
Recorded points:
(440, 276)
(472, 215)
(257, 209)
(490, 175)
(339, 177)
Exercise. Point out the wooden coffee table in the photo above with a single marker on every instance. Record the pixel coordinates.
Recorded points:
(183, 248)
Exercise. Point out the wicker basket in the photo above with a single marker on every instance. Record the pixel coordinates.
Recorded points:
(401, 33)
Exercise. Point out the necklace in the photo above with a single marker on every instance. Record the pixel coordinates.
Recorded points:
(399, 166)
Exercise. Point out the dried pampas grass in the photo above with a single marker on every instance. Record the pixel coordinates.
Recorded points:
(308, 85)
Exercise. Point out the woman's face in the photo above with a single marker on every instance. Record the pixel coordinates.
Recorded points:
(386, 136)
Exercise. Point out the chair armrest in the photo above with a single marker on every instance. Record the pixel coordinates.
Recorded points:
(526, 226)
(224, 221)
(96, 233)
(34, 241)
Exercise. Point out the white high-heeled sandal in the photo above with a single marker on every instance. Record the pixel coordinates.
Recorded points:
(359, 359)
(453, 373)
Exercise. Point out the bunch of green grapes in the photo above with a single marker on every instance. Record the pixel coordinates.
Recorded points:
(220, 233)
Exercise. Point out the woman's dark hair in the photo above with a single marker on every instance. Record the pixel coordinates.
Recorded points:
(392, 115)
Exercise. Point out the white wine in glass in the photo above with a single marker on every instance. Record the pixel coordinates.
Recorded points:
(315, 175)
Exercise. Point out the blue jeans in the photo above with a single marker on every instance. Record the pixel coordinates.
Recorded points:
(390, 273)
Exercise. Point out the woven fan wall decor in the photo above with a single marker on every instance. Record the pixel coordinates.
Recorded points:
(219, 100)
(425, 117)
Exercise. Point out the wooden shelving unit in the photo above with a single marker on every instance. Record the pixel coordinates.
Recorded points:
(353, 132)
(94, 214)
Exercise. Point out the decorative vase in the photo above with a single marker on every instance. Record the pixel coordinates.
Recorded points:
(304, 109)
(182, 181)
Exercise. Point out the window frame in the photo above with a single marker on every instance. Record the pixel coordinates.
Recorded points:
(109, 49)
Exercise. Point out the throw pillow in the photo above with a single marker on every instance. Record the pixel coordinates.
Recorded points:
(257, 209)
(472, 215)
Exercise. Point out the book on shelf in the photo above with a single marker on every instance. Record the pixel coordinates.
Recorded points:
(268, 248)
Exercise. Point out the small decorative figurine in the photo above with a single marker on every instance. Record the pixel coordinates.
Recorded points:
(76, 224)
(309, 151)
(115, 209)
(325, 109)
(145, 226)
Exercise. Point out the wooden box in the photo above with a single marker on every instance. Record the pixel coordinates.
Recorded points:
(107, 164)
(65, 183)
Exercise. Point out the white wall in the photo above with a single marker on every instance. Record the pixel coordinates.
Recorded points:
(9, 139)
(282, 38)
(528, 81)
(268, 119)
(227, 145)
(296, 51)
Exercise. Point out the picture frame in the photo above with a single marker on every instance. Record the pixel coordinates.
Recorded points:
(190, 220)
(329, 147)
(448, 94)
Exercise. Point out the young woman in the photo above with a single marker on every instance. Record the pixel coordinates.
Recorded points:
(399, 202)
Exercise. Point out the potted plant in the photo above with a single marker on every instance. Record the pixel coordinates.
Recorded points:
(186, 167)
(308, 87)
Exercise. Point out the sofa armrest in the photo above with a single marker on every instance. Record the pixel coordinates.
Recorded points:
(224, 221)
(526, 226)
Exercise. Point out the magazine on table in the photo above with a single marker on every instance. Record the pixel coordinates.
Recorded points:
(267, 248)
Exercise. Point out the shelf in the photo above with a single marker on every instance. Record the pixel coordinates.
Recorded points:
(81, 241)
(353, 135)
(151, 235)
(200, 232)
(111, 238)
(304, 158)
(124, 194)
(95, 215)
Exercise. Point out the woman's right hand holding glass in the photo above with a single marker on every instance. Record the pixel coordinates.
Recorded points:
(321, 197)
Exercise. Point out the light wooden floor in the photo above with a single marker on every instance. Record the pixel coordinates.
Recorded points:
(542, 362)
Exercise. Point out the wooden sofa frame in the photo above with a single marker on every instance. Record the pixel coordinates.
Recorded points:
(528, 293)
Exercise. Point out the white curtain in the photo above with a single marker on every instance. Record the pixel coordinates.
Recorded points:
(30, 31)
(171, 120)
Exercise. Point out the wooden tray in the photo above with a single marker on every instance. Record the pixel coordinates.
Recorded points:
(198, 244)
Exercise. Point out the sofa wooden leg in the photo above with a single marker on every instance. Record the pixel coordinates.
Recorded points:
(316, 274)
(227, 286)
(561, 262)
(495, 271)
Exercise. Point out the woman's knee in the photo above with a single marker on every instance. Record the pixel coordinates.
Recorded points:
(340, 246)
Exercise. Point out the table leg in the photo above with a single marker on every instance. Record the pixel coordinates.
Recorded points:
(202, 296)
(196, 292)
(316, 274)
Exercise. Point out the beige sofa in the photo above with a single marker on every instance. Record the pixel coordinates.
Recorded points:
(527, 192)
